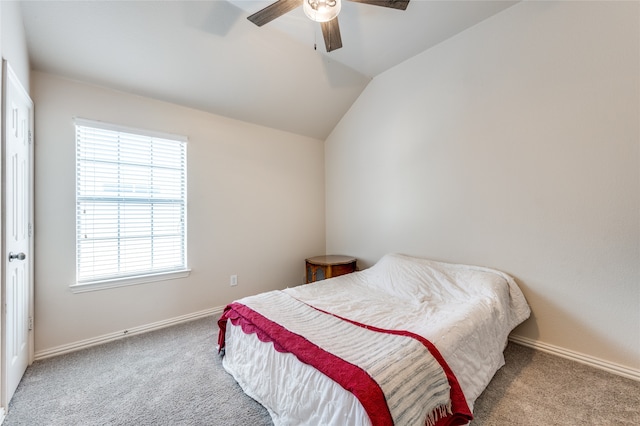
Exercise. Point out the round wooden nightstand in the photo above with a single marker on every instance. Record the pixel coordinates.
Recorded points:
(321, 267)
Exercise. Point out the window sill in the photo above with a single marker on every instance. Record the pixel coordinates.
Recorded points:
(122, 282)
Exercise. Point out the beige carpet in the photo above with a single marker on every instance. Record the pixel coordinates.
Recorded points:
(174, 377)
(535, 388)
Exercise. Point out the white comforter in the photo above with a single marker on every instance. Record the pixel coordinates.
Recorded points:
(466, 311)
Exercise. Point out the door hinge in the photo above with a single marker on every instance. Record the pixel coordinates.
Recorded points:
(30, 138)
(30, 323)
(30, 230)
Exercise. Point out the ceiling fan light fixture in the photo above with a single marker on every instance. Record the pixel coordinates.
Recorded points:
(321, 10)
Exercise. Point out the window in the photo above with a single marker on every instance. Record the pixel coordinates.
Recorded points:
(130, 206)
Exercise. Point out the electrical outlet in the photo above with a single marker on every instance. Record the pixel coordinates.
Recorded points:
(233, 280)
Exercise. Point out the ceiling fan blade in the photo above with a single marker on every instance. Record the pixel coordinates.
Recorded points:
(396, 4)
(331, 33)
(273, 11)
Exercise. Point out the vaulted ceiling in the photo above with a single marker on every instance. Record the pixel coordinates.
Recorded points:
(207, 55)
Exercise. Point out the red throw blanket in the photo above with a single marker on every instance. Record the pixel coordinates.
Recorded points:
(351, 377)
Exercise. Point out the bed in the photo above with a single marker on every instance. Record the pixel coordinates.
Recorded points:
(408, 341)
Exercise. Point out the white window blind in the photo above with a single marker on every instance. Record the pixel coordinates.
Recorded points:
(130, 202)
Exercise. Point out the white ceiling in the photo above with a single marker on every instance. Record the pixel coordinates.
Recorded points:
(207, 55)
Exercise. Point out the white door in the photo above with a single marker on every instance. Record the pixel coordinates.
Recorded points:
(17, 230)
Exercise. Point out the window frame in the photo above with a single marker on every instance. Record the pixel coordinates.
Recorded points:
(136, 278)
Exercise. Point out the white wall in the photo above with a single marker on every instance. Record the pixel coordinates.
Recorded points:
(13, 43)
(513, 145)
(255, 209)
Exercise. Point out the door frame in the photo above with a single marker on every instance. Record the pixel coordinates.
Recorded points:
(9, 75)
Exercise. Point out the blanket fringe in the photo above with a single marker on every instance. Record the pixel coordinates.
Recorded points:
(438, 414)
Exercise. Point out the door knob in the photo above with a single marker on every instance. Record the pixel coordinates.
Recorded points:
(14, 256)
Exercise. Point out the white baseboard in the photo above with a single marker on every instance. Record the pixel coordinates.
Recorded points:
(82, 344)
(601, 364)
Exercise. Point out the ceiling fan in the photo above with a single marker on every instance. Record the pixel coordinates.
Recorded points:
(323, 11)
